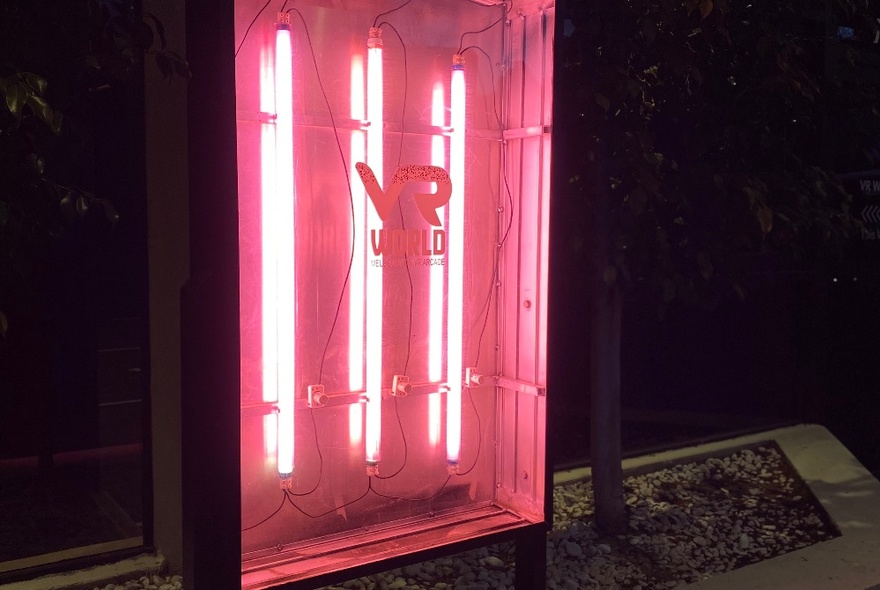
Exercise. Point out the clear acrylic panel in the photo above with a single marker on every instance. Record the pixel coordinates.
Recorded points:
(364, 318)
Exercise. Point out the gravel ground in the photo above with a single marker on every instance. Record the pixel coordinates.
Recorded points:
(149, 583)
(686, 523)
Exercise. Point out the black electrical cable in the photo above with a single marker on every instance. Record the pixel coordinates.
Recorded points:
(320, 458)
(405, 255)
(405, 445)
(254, 20)
(431, 497)
(350, 195)
(332, 510)
(479, 435)
(399, 206)
(381, 14)
(405, 85)
(503, 153)
(276, 511)
(503, 240)
(483, 30)
(497, 262)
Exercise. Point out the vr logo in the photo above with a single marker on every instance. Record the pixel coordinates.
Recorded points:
(427, 203)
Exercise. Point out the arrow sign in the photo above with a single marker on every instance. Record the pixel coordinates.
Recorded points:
(871, 214)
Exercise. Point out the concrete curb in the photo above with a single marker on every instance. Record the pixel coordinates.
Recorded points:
(848, 492)
(118, 572)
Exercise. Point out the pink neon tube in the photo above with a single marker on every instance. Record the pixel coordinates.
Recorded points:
(283, 249)
(358, 266)
(455, 265)
(268, 204)
(374, 292)
(435, 319)
(435, 307)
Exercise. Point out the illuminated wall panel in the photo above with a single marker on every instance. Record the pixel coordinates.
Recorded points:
(393, 201)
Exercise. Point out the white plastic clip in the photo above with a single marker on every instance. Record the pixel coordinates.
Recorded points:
(400, 386)
(317, 397)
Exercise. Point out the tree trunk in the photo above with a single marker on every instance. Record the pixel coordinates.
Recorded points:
(605, 452)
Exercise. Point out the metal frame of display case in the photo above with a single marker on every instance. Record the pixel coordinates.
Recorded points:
(210, 342)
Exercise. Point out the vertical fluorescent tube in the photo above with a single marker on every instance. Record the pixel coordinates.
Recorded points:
(435, 307)
(455, 265)
(355, 424)
(284, 245)
(358, 265)
(269, 282)
(374, 287)
(435, 318)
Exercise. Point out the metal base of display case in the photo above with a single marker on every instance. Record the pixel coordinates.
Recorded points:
(339, 555)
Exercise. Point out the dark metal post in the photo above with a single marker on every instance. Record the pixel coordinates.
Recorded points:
(210, 308)
(531, 558)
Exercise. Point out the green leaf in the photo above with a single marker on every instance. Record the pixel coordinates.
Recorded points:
(37, 163)
(37, 83)
(16, 94)
(181, 67)
(765, 218)
(706, 7)
(82, 206)
(110, 211)
(160, 29)
(68, 207)
(37, 102)
(165, 65)
(603, 102)
(41, 108)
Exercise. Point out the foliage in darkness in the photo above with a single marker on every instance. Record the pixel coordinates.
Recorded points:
(706, 121)
(57, 60)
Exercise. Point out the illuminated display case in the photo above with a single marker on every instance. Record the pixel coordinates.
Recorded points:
(393, 189)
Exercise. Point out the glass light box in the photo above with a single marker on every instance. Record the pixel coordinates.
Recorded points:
(394, 174)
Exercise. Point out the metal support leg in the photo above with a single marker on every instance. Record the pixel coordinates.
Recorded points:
(531, 558)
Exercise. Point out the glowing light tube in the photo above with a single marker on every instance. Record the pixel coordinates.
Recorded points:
(268, 184)
(374, 292)
(435, 307)
(455, 265)
(282, 223)
(358, 266)
(435, 304)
